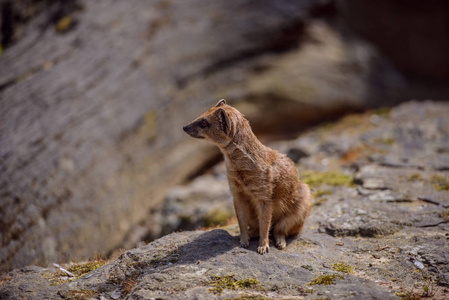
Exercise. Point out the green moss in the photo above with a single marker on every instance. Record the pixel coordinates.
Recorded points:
(217, 217)
(4, 280)
(319, 193)
(147, 129)
(445, 215)
(407, 296)
(304, 243)
(77, 269)
(414, 177)
(382, 111)
(384, 141)
(82, 269)
(56, 278)
(79, 294)
(335, 178)
(440, 183)
(307, 267)
(319, 201)
(64, 24)
(229, 282)
(389, 141)
(342, 267)
(325, 279)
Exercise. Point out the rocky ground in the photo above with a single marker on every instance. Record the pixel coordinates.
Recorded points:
(379, 228)
(94, 95)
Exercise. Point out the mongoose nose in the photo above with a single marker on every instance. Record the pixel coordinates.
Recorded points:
(184, 128)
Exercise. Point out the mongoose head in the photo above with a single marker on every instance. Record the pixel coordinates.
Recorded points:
(215, 125)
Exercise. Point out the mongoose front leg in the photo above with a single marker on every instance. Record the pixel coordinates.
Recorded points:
(243, 223)
(264, 215)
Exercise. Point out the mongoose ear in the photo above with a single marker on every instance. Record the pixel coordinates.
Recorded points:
(223, 119)
(220, 103)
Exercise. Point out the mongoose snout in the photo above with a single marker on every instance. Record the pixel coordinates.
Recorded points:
(264, 183)
(190, 130)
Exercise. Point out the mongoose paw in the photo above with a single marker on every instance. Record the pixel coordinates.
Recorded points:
(263, 249)
(244, 244)
(281, 244)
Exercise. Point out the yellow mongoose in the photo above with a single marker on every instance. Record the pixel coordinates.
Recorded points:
(264, 183)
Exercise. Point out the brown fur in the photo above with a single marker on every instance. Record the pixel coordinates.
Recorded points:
(264, 183)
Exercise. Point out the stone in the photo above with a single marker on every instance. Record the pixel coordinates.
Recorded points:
(374, 184)
(369, 242)
(92, 113)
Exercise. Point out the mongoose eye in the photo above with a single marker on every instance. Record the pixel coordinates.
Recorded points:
(203, 124)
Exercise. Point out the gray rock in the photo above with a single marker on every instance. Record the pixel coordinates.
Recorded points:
(92, 114)
(444, 279)
(358, 226)
(206, 201)
(374, 235)
(202, 255)
(374, 184)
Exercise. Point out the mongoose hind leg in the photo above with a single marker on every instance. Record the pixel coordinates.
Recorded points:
(288, 226)
(280, 240)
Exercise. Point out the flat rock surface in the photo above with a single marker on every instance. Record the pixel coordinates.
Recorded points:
(378, 229)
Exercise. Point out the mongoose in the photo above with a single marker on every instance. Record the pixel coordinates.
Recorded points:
(264, 183)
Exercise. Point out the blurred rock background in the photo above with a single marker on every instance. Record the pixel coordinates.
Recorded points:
(93, 96)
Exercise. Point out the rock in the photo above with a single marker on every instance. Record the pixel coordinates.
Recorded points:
(363, 247)
(444, 279)
(358, 226)
(424, 37)
(369, 213)
(378, 183)
(389, 196)
(374, 184)
(206, 202)
(293, 91)
(295, 154)
(198, 257)
(29, 281)
(92, 112)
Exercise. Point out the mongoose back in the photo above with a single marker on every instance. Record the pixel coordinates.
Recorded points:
(264, 183)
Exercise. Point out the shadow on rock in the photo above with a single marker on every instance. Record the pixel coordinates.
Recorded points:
(207, 245)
